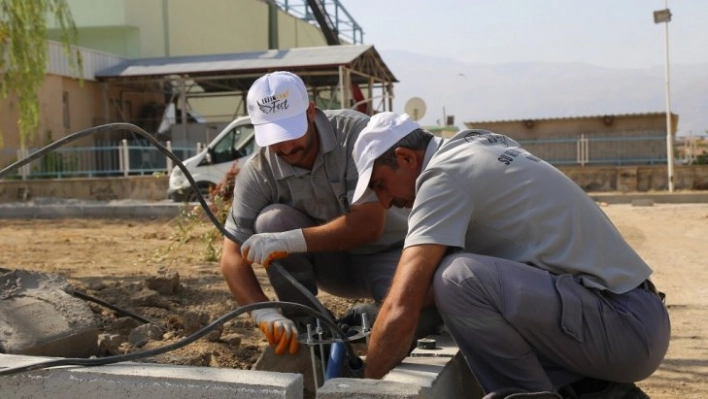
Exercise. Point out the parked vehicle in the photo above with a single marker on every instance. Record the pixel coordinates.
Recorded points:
(235, 143)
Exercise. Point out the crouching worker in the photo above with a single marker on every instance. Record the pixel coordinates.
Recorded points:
(535, 284)
(292, 201)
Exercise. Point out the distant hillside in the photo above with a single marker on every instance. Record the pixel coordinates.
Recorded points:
(528, 90)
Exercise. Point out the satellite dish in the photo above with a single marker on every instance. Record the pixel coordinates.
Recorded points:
(415, 107)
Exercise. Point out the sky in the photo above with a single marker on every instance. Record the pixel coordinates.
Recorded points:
(608, 33)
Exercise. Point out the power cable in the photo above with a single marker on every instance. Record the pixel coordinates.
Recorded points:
(355, 362)
(115, 308)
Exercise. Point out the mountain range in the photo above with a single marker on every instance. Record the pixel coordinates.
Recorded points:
(535, 90)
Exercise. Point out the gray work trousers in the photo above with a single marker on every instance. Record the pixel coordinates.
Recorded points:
(347, 275)
(523, 327)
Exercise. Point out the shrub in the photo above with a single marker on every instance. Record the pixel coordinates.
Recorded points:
(701, 159)
(194, 221)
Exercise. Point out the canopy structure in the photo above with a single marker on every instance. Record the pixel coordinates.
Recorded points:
(350, 76)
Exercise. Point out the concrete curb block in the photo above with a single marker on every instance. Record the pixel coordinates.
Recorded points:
(119, 211)
(144, 380)
(438, 373)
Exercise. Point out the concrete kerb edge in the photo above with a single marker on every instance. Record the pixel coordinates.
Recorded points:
(59, 211)
(438, 373)
(424, 374)
(138, 380)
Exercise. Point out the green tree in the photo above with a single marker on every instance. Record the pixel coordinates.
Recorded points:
(23, 53)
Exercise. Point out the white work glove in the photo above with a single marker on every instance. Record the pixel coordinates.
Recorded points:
(266, 247)
(280, 331)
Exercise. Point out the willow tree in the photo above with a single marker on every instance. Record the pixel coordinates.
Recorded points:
(23, 53)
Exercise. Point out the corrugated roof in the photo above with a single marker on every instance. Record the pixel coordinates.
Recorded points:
(327, 58)
(571, 117)
(58, 61)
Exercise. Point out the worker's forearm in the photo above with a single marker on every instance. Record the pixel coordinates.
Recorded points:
(240, 277)
(390, 340)
(334, 236)
(396, 323)
(363, 225)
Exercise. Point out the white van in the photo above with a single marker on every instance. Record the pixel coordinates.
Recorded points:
(235, 143)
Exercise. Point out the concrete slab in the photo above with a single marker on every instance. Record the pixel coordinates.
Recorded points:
(437, 377)
(436, 373)
(39, 317)
(139, 380)
(300, 363)
(366, 388)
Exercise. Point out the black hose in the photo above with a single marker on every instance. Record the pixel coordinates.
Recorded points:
(87, 297)
(175, 345)
(115, 308)
(326, 316)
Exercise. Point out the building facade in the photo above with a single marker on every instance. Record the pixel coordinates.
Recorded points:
(118, 30)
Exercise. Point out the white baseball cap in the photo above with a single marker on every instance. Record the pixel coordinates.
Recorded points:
(383, 131)
(277, 104)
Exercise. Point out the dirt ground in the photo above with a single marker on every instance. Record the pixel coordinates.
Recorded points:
(112, 259)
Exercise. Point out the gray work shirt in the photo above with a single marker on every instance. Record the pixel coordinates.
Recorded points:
(323, 193)
(483, 193)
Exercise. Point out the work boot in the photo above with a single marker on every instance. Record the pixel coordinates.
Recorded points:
(590, 388)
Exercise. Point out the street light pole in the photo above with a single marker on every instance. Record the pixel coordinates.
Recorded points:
(664, 16)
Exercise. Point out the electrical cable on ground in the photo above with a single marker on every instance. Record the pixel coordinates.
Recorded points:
(322, 313)
(175, 345)
(115, 308)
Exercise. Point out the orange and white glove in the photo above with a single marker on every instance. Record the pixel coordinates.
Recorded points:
(278, 329)
(265, 247)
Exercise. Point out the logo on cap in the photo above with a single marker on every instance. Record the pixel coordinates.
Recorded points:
(271, 104)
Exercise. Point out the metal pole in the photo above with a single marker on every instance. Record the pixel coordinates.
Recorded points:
(125, 156)
(669, 137)
(341, 87)
(312, 355)
(169, 164)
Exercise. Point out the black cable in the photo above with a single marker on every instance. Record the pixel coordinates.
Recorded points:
(87, 297)
(180, 343)
(321, 310)
(115, 308)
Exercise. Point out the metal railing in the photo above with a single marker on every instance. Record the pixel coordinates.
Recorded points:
(131, 158)
(643, 149)
(122, 159)
(345, 25)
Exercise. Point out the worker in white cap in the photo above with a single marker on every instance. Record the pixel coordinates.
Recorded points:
(535, 284)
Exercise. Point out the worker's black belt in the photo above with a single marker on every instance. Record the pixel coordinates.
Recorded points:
(649, 286)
